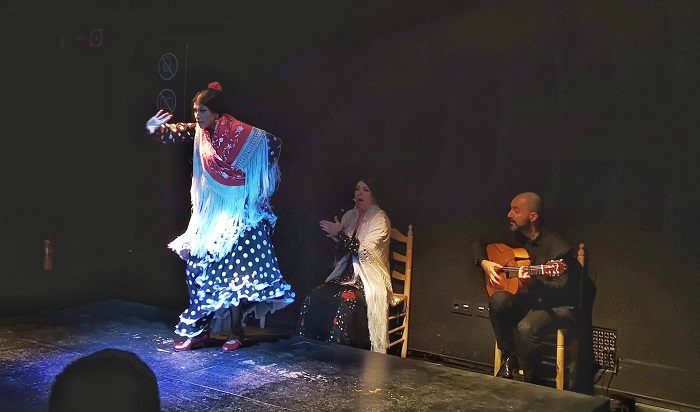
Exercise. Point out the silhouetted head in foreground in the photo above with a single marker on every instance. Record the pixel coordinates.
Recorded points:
(108, 380)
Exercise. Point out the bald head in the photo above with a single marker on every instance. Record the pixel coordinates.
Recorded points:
(531, 200)
(524, 214)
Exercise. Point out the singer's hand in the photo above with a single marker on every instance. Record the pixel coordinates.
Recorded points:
(331, 228)
(156, 121)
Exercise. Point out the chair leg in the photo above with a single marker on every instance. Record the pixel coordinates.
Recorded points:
(561, 365)
(496, 360)
(404, 336)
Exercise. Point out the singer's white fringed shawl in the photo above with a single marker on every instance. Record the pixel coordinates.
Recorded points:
(372, 266)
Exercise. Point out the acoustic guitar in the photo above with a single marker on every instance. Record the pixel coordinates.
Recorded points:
(512, 260)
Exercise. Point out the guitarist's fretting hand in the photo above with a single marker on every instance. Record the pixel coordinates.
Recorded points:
(524, 273)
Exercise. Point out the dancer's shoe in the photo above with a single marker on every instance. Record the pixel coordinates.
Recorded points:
(192, 343)
(231, 346)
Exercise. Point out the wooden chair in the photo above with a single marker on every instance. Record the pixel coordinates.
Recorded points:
(401, 265)
(557, 340)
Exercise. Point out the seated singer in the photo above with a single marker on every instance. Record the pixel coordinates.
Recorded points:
(350, 308)
(542, 302)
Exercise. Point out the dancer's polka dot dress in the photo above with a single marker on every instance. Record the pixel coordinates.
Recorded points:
(249, 272)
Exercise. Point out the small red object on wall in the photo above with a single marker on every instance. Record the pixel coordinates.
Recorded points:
(48, 252)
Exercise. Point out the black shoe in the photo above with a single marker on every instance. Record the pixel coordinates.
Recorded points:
(508, 367)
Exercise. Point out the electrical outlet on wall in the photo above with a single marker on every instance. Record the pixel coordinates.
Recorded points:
(482, 310)
(462, 307)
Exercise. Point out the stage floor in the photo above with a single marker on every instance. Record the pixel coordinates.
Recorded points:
(272, 372)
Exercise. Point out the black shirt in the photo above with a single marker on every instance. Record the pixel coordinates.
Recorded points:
(546, 292)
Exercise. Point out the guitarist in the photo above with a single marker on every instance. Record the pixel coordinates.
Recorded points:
(543, 303)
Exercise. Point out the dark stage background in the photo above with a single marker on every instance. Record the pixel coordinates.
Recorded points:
(455, 106)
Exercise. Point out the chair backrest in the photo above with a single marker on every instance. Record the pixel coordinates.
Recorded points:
(402, 257)
(587, 289)
(583, 381)
(581, 255)
(401, 264)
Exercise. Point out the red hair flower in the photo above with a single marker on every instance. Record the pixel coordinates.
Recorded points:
(215, 86)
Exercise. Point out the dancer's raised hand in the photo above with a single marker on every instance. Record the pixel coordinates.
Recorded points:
(156, 121)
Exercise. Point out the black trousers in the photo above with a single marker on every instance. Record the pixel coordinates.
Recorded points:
(519, 328)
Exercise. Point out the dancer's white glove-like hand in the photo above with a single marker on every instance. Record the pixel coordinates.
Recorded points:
(156, 121)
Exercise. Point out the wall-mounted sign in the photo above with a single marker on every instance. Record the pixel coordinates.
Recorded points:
(167, 66)
(166, 100)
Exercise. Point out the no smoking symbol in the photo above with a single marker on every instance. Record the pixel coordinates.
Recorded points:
(167, 66)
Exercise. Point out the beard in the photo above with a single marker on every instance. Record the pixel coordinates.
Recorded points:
(515, 227)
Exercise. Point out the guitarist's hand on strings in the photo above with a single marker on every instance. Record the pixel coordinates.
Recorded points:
(492, 269)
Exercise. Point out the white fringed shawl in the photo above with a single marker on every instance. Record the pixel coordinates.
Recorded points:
(372, 266)
(221, 213)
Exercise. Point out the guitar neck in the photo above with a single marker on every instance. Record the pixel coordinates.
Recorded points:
(534, 270)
